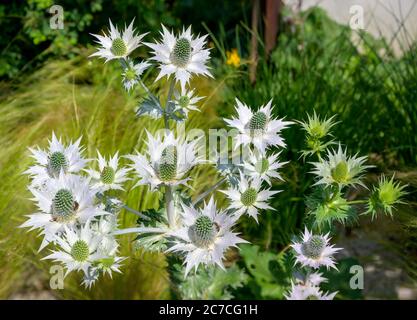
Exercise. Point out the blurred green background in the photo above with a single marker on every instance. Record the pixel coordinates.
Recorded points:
(48, 83)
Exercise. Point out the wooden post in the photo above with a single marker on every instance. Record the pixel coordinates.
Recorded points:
(254, 41)
(273, 10)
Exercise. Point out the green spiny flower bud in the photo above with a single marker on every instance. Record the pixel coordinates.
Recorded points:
(313, 248)
(258, 121)
(63, 205)
(184, 101)
(262, 165)
(56, 162)
(340, 173)
(118, 47)
(80, 251)
(181, 53)
(167, 169)
(248, 197)
(107, 175)
(203, 232)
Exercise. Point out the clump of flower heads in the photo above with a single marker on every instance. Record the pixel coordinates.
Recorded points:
(77, 198)
(335, 171)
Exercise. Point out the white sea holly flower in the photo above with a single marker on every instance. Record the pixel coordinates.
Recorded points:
(62, 202)
(105, 227)
(314, 251)
(308, 288)
(116, 44)
(259, 166)
(167, 161)
(247, 197)
(308, 292)
(58, 157)
(78, 249)
(132, 73)
(108, 246)
(205, 236)
(186, 101)
(180, 55)
(258, 128)
(109, 176)
(109, 262)
(340, 169)
(315, 279)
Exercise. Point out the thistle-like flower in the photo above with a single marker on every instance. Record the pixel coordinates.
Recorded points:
(167, 161)
(185, 101)
(248, 197)
(263, 167)
(78, 249)
(109, 176)
(205, 236)
(105, 227)
(132, 73)
(317, 128)
(116, 44)
(180, 55)
(58, 158)
(109, 261)
(306, 291)
(258, 128)
(314, 251)
(385, 196)
(340, 169)
(62, 202)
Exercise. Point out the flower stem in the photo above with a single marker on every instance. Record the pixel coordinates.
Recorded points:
(207, 192)
(169, 195)
(170, 92)
(139, 214)
(357, 202)
(149, 93)
(118, 203)
(170, 206)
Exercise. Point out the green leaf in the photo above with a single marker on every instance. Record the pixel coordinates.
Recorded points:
(211, 282)
(269, 271)
(327, 206)
(150, 107)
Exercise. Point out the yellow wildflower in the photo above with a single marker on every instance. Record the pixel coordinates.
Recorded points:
(233, 58)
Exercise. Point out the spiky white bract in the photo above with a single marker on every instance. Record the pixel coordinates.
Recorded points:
(308, 288)
(248, 198)
(263, 167)
(340, 169)
(116, 44)
(62, 202)
(181, 55)
(258, 128)
(78, 249)
(132, 73)
(186, 101)
(308, 292)
(167, 161)
(205, 236)
(315, 251)
(109, 176)
(58, 157)
(316, 127)
(110, 261)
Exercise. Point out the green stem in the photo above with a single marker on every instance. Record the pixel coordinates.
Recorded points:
(104, 198)
(357, 202)
(169, 194)
(170, 92)
(207, 192)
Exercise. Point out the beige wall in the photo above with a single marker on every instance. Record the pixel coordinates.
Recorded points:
(381, 17)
